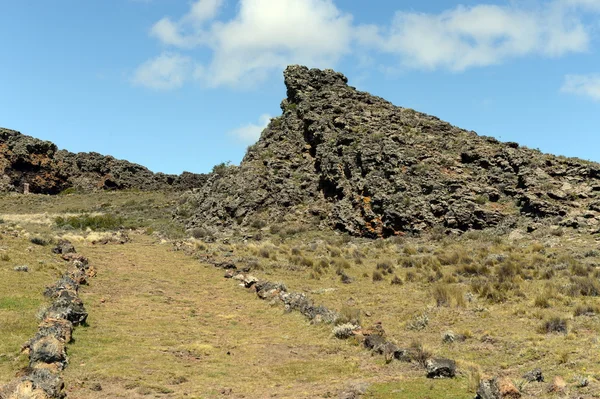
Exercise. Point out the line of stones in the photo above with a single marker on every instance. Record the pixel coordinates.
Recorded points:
(373, 339)
(47, 349)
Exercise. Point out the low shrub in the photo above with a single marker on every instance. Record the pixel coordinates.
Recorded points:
(586, 310)
(39, 241)
(396, 281)
(554, 325)
(377, 276)
(418, 322)
(93, 222)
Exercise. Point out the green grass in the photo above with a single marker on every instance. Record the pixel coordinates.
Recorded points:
(21, 296)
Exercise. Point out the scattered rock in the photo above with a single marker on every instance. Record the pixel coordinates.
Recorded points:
(96, 387)
(440, 368)
(534, 375)
(64, 247)
(23, 269)
(488, 389)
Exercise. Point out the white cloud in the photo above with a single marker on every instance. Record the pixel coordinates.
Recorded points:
(267, 35)
(264, 35)
(481, 35)
(250, 133)
(584, 85)
(167, 71)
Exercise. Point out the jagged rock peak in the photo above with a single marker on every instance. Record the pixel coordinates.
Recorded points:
(300, 80)
(346, 159)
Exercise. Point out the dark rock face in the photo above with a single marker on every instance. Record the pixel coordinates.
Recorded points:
(352, 161)
(48, 170)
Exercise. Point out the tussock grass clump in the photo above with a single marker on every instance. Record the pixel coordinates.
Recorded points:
(5, 257)
(583, 286)
(396, 281)
(377, 276)
(420, 353)
(93, 222)
(447, 295)
(342, 263)
(472, 269)
(579, 269)
(586, 310)
(542, 301)
(302, 261)
(349, 315)
(554, 325)
(385, 268)
(492, 292)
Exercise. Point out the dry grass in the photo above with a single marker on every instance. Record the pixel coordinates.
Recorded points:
(167, 322)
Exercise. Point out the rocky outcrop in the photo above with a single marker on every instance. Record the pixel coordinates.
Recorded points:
(352, 161)
(48, 170)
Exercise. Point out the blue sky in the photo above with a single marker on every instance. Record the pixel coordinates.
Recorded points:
(183, 85)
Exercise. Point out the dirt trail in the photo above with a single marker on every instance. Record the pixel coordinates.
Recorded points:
(162, 324)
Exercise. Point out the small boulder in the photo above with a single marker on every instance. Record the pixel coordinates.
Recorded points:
(48, 350)
(64, 247)
(534, 375)
(488, 389)
(440, 368)
(374, 341)
(23, 268)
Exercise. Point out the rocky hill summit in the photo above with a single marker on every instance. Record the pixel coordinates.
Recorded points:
(48, 170)
(355, 162)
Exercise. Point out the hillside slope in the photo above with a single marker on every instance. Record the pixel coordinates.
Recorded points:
(48, 170)
(355, 162)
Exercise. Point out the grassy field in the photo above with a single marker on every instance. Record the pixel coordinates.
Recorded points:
(165, 324)
(21, 295)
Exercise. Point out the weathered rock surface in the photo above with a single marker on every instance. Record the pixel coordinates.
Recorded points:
(440, 368)
(352, 161)
(48, 170)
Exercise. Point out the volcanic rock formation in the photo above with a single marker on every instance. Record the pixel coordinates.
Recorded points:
(355, 162)
(47, 170)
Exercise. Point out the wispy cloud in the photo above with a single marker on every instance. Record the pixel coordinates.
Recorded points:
(583, 85)
(250, 133)
(267, 35)
(482, 35)
(167, 71)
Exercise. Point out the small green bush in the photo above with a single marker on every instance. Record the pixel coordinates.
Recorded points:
(67, 191)
(95, 222)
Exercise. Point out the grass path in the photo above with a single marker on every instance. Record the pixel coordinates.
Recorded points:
(163, 325)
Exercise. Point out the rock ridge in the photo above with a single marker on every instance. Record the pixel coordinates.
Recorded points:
(48, 170)
(345, 159)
